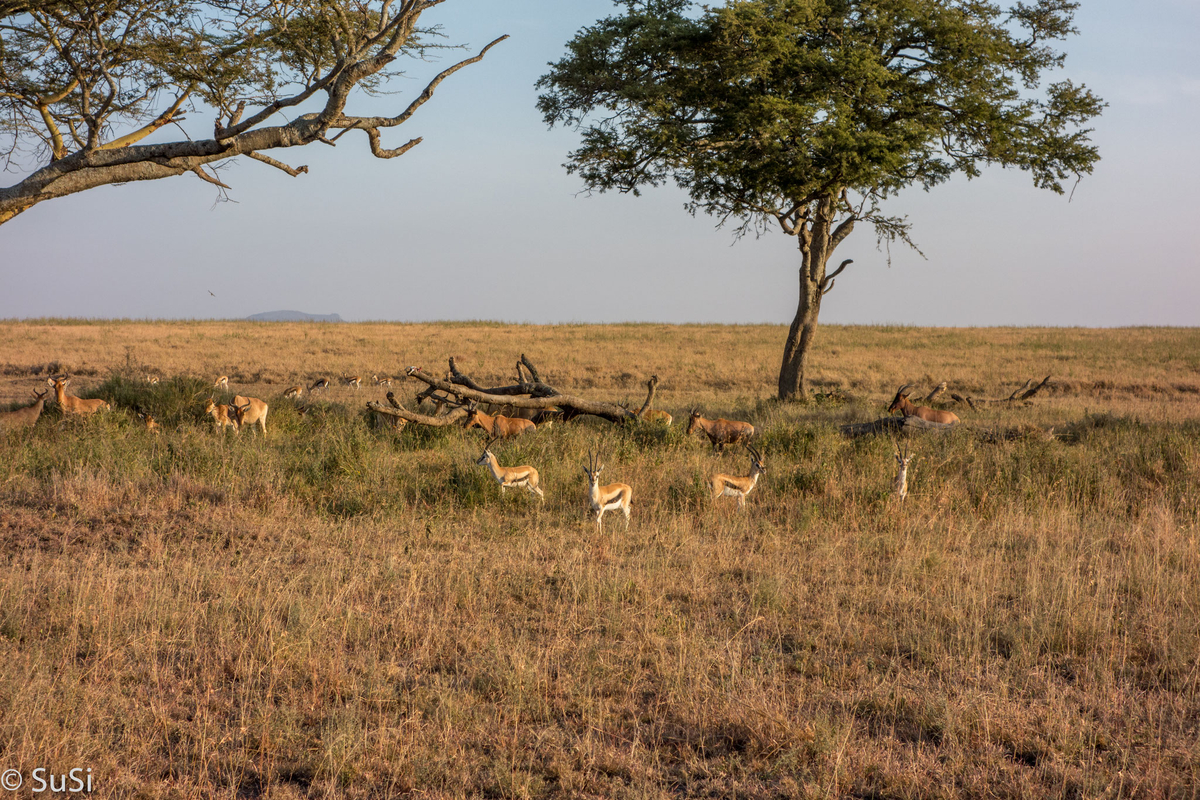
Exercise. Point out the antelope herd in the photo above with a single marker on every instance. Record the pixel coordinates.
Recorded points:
(245, 411)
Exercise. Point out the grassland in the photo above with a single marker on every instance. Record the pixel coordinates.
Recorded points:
(341, 611)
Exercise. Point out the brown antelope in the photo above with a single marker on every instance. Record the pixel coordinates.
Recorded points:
(319, 385)
(498, 425)
(720, 431)
(733, 486)
(223, 415)
(613, 497)
(900, 483)
(384, 382)
(148, 420)
(514, 477)
(658, 415)
(351, 381)
(152, 380)
(250, 410)
(293, 392)
(71, 404)
(222, 383)
(25, 417)
(905, 406)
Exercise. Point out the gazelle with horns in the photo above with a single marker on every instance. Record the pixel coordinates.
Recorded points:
(900, 483)
(510, 477)
(613, 497)
(352, 381)
(319, 385)
(733, 486)
(906, 407)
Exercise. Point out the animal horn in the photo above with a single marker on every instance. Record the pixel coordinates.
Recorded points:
(904, 390)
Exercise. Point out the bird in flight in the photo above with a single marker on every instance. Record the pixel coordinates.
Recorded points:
(210, 292)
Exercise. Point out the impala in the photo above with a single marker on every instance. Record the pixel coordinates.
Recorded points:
(293, 392)
(733, 486)
(25, 417)
(905, 406)
(249, 411)
(497, 425)
(720, 431)
(514, 477)
(222, 415)
(71, 404)
(900, 483)
(319, 385)
(222, 382)
(613, 497)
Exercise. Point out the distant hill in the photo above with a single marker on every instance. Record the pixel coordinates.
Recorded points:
(293, 316)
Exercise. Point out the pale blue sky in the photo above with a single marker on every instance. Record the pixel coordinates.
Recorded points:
(481, 221)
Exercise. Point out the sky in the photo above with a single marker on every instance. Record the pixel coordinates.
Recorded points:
(481, 221)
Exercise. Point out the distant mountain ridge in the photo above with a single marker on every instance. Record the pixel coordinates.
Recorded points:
(293, 316)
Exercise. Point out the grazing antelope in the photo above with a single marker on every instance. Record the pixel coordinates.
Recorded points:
(319, 385)
(351, 382)
(905, 406)
(223, 415)
(71, 404)
(900, 483)
(733, 486)
(498, 425)
(25, 417)
(293, 392)
(720, 431)
(613, 497)
(147, 420)
(249, 411)
(515, 477)
(222, 382)
(385, 382)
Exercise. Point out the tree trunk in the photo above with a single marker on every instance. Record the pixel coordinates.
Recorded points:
(800, 336)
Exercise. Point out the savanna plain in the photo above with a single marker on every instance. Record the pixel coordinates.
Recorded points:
(343, 610)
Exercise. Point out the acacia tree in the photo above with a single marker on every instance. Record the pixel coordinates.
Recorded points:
(82, 82)
(809, 114)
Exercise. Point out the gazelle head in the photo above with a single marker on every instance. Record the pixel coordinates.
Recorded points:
(592, 469)
(902, 456)
(901, 396)
(900, 482)
(757, 463)
(210, 404)
(486, 455)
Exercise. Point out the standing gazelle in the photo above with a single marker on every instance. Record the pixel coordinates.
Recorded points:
(510, 477)
(900, 484)
(70, 404)
(222, 383)
(319, 385)
(613, 497)
(352, 381)
(733, 486)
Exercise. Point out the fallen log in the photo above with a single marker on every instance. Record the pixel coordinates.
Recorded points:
(569, 403)
(1026, 392)
(902, 425)
(454, 417)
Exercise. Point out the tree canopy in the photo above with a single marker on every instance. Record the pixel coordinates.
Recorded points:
(810, 114)
(83, 82)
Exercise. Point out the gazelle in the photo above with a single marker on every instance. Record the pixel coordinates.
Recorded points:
(498, 425)
(658, 415)
(720, 431)
(514, 477)
(147, 420)
(222, 415)
(71, 404)
(384, 382)
(905, 406)
(351, 381)
(900, 483)
(25, 417)
(733, 486)
(293, 392)
(319, 385)
(250, 410)
(613, 497)
(152, 380)
(222, 383)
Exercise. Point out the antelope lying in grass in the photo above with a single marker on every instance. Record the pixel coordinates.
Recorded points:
(514, 477)
(71, 404)
(900, 483)
(250, 410)
(733, 486)
(223, 415)
(498, 425)
(25, 417)
(293, 392)
(720, 431)
(613, 497)
(147, 420)
(905, 406)
(319, 385)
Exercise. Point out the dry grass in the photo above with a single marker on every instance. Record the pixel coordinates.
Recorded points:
(343, 612)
